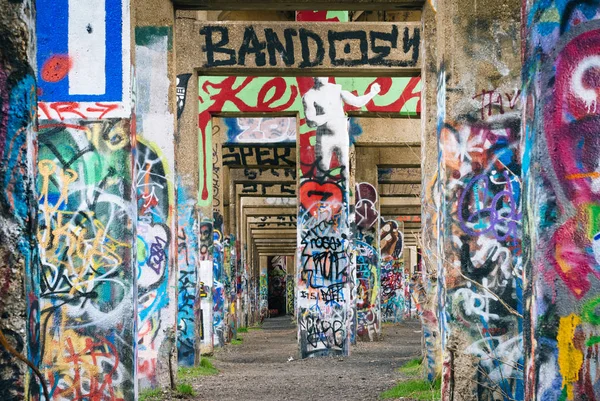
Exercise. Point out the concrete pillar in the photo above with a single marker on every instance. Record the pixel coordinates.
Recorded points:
(19, 266)
(263, 285)
(431, 199)
(478, 115)
(155, 92)
(366, 245)
(88, 201)
(393, 283)
(561, 205)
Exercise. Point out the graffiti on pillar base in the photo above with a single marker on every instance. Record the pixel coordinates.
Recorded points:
(482, 251)
(562, 207)
(366, 220)
(85, 235)
(220, 280)
(393, 301)
(187, 247)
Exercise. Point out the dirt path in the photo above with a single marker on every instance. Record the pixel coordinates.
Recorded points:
(258, 370)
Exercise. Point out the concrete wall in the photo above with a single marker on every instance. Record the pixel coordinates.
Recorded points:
(560, 167)
(19, 269)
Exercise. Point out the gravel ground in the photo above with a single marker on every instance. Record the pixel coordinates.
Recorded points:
(258, 370)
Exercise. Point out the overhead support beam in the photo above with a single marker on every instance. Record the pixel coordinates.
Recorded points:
(333, 5)
(382, 48)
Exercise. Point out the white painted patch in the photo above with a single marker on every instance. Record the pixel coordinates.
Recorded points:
(87, 47)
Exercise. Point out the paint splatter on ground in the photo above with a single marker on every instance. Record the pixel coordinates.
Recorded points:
(258, 369)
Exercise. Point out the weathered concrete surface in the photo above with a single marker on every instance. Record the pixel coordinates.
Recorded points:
(19, 311)
(258, 369)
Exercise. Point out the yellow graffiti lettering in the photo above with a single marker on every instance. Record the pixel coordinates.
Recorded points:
(570, 359)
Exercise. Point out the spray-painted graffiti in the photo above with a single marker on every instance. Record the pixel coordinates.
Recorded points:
(368, 279)
(153, 248)
(560, 162)
(261, 129)
(393, 300)
(482, 251)
(85, 234)
(187, 242)
(77, 41)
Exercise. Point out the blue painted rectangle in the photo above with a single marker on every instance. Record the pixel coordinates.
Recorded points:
(52, 33)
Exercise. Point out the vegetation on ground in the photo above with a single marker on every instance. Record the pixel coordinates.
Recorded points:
(185, 389)
(242, 330)
(205, 368)
(236, 341)
(150, 395)
(412, 367)
(414, 388)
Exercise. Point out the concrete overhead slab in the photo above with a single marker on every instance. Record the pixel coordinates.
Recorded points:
(331, 5)
(382, 48)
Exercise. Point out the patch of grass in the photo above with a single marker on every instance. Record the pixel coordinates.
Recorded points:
(415, 389)
(185, 389)
(205, 368)
(255, 328)
(150, 395)
(412, 367)
(242, 330)
(236, 341)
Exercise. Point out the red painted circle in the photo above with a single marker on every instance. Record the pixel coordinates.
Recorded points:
(56, 68)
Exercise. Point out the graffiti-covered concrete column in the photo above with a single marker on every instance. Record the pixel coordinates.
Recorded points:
(263, 285)
(562, 203)
(87, 200)
(430, 196)
(19, 266)
(478, 110)
(154, 89)
(366, 245)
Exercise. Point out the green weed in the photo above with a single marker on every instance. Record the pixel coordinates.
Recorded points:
(412, 367)
(242, 330)
(150, 395)
(415, 389)
(185, 389)
(236, 341)
(205, 368)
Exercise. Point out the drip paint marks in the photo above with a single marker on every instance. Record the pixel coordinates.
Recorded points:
(325, 271)
(86, 219)
(563, 201)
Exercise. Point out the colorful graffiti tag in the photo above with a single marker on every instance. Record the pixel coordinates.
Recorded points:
(562, 203)
(86, 219)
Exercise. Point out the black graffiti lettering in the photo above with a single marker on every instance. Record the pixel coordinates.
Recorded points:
(274, 45)
(383, 51)
(349, 37)
(413, 42)
(250, 45)
(305, 35)
(211, 48)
